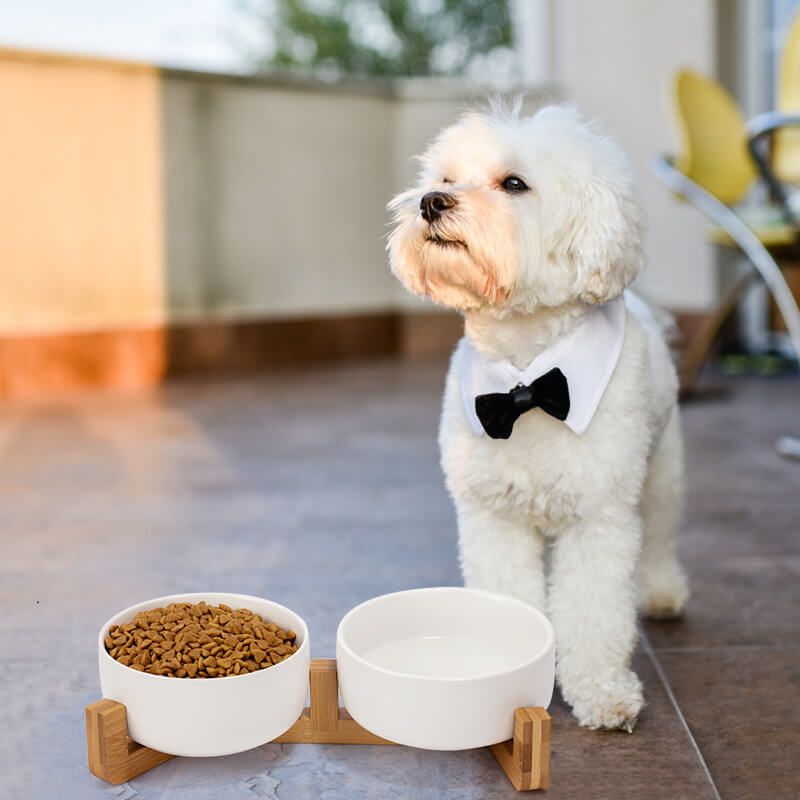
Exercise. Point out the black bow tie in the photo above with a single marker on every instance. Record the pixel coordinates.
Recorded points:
(499, 412)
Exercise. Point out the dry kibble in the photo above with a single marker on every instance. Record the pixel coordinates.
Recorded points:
(199, 641)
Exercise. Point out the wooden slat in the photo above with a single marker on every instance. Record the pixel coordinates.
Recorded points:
(112, 755)
(526, 758)
(300, 731)
(541, 747)
(324, 722)
(505, 758)
(348, 731)
(522, 748)
(324, 686)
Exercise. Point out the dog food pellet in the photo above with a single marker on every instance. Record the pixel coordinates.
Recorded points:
(186, 640)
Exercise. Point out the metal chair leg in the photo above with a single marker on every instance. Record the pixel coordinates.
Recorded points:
(726, 219)
(701, 343)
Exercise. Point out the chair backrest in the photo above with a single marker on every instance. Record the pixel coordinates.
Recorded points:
(786, 152)
(713, 136)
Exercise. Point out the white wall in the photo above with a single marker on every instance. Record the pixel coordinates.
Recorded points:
(615, 60)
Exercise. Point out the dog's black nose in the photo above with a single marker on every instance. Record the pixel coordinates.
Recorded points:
(434, 203)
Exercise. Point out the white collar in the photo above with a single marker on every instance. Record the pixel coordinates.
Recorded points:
(586, 355)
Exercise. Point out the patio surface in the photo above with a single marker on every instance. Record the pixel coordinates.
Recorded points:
(321, 489)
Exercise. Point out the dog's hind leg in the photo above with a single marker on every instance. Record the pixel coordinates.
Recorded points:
(500, 554)
(663, 588)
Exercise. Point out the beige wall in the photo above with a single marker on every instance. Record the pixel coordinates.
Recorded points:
(80, 203)
(615, 60)
(275, 199)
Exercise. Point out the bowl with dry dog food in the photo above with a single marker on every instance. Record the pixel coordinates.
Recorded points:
(206, 674)
(444, 668)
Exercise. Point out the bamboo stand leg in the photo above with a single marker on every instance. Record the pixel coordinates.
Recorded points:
(526, 758)
(324, 722)
(112, 755)
(116, 758)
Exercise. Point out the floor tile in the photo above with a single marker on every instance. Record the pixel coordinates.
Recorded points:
(656, 761)
(743, 708)
(737, 601)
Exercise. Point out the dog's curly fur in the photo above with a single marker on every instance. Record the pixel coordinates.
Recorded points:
(556, 519)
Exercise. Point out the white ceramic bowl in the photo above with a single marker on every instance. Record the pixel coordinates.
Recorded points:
(444, 668)
(216, 716)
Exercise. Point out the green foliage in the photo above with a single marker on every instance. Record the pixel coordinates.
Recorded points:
(381, 37)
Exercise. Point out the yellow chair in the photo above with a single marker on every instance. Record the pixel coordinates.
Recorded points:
(786, 149)
(713, 136)
(714, 172)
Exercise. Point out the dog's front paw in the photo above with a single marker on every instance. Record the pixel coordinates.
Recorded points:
(611, 704)
(664, 596)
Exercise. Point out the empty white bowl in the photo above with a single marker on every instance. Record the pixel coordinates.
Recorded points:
(215, 716)
(444, 668)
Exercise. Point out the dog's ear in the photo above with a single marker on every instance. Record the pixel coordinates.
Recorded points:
(605, 250)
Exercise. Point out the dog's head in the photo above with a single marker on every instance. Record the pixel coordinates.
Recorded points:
(513, 214)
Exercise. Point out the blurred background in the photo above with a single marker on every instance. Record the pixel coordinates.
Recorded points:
(210, 381)
(200, 186)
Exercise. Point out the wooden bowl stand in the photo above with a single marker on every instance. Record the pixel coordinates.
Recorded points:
(115, 758)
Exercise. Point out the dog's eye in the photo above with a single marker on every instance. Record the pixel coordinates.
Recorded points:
(513, 183)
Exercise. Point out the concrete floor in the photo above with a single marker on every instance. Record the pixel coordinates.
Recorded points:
(321, 489)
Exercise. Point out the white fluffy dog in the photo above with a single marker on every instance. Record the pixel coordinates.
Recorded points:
(560, 438)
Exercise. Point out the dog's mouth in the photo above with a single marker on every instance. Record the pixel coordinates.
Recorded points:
(434, 238)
